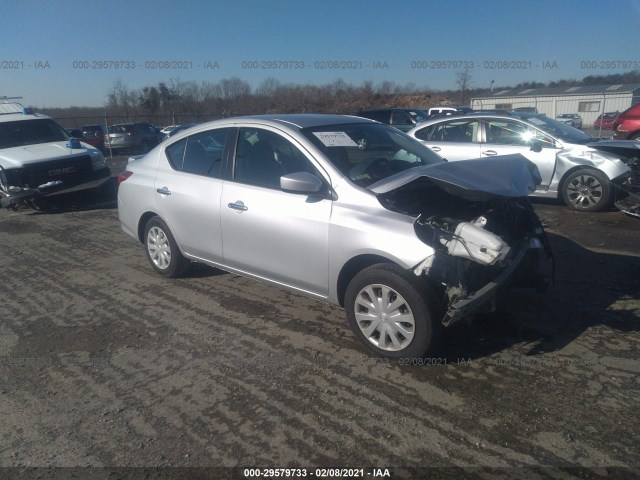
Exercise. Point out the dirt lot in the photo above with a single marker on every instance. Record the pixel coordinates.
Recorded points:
(105, 364)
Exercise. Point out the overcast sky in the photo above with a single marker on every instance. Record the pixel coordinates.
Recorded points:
(70, 52)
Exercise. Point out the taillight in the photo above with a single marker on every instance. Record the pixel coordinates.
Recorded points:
(123, 176)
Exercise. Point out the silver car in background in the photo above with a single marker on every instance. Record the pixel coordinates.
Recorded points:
(343, 209)
(574, 167)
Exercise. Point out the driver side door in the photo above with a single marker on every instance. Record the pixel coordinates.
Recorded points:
(269, 233)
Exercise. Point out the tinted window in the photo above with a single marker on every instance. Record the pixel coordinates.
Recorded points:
(262, 157)
(200, 154)
(401, 118)
(459, 131)
(29, 132)
(425, 133)
(175, 154)
(377, 115)
(203, 153)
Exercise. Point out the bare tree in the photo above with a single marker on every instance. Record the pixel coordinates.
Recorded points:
(463, 81)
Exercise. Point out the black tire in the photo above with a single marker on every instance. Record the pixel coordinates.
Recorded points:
(586, 190)
(412, 298)
(162, 250)
(635, 136)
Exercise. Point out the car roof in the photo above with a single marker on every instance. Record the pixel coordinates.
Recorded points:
(461, 116)
(300, 120)
(12, 111)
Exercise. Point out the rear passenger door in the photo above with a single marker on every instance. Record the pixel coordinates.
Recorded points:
(188, 190)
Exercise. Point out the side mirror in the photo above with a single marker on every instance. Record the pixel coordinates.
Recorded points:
(536, 145)
(300, 182)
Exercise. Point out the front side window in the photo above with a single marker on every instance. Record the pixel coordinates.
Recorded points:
(507, 132)
(262, 157)
(367, 153)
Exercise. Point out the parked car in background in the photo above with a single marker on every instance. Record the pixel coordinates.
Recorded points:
(442, 111)
(525, 109)
(176, 129)
(132, 137)
(573, 166)
(401, 118)
(626, 126)
(605, 120)
(166, 130)
(39, 158)
(345, 210)
(94, 135)
(572, 119)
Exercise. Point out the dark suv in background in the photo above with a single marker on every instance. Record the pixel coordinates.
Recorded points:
(401, 118)
(627, 125)
(132, 137)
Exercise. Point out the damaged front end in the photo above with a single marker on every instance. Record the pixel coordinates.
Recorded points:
(485, 233)
(629, 189)
(627, 185)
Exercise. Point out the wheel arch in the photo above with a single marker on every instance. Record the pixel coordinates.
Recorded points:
(575, 168)
(353, 267)
(143, 222)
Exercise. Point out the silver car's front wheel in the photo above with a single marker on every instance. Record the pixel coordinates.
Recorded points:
(391, 311)
(586, 190)
(162, 250)
(384, 317)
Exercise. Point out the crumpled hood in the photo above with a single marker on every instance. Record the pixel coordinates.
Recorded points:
(505, 175)
(17, 157)
(623, 148)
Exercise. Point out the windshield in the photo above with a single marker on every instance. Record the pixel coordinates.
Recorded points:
(367, 153)
(557, 129)
(30, 132)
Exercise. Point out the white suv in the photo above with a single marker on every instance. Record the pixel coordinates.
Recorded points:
(38, 158)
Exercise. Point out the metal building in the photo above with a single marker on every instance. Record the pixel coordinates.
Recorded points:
(588, 102)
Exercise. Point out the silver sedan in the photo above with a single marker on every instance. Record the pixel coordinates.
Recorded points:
(343, 209)
(574, 167)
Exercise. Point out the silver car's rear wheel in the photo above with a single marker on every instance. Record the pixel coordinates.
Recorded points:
(391, 311)
(159, 248)
(162, 250)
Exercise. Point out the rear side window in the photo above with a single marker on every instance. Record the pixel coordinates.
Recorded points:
(458, 131)
(199, 154)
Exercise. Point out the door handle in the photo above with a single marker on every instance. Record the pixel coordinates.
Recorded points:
(238, 206)
(163, 191)
(490, 152)
(436, 149)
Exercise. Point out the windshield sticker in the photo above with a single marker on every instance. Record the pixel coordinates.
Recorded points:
(535, 121)
(335, 139)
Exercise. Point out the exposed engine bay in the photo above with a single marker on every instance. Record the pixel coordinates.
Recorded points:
(477, 238)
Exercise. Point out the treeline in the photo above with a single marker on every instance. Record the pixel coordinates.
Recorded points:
(234, 96)
(184, 102)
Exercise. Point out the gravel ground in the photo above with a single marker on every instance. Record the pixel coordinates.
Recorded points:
(105, 364)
